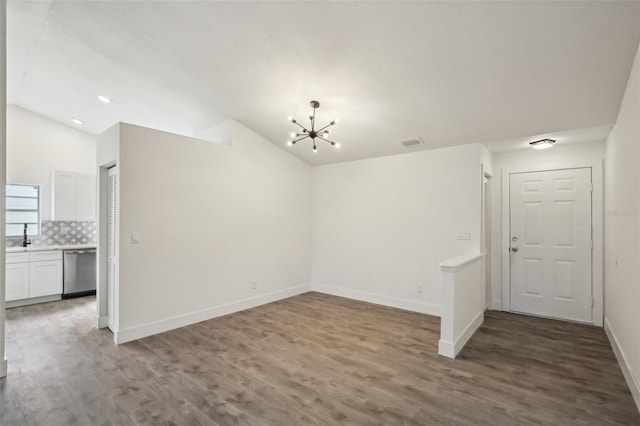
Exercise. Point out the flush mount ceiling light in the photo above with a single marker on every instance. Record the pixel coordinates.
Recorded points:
(322, 133)
(542, 144)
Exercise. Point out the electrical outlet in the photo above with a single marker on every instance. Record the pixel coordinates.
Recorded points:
(254, 284)
(419, 286)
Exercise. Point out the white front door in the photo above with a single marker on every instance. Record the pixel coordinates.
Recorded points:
(550, 239)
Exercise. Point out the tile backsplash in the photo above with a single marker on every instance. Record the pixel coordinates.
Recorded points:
(60, 233)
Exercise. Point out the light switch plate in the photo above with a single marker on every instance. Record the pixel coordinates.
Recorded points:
(135, 237)
(464, 235)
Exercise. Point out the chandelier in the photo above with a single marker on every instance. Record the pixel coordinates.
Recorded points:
(313, 133)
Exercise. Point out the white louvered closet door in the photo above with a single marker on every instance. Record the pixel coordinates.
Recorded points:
(486, 238)
(112, 244)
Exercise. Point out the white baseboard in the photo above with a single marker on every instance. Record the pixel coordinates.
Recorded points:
(3, 368)
(103, 322)
(144, 330)
(394, 302)
(447, 349)
(496, 305)
(624, 364)
(452, 349)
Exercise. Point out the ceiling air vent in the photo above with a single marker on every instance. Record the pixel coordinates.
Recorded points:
(407, 143)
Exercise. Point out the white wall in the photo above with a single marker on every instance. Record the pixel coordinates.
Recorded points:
(381, 226)
(486, 157)
(583, 155)
(37, 145)
(622, 232)
(3, 122)
(107, 145)
(212, 219)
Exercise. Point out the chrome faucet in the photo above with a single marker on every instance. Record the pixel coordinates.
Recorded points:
(25, 241)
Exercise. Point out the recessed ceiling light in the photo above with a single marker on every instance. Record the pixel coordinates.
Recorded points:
(542, 144)
(75, 120)
(104, 99)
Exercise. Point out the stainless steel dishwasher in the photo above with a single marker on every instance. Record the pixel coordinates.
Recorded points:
(79, 273)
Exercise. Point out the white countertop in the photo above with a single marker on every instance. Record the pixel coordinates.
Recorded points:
(43, 248)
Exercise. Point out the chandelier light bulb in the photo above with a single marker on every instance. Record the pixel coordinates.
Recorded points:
(337, 145)
(315, 149)
(337, 120)
(289, 143)
(294, 135)
(290, 118)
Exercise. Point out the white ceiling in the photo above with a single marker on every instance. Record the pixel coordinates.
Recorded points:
(450, 73)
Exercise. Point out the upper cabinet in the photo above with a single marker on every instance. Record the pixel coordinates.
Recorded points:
(74, 196)
(64, 196)
(85, 197)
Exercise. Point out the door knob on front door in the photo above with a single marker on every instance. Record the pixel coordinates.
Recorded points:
(514, 249)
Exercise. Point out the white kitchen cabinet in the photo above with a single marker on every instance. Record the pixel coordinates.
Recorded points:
(85, 197)
(17, 281)
(33, 274)
(74, 196)
(45, 278)
(64, 196)
(17, 276)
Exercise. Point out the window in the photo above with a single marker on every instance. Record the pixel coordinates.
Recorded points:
(23, 206)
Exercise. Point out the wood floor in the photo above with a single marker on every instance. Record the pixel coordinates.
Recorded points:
(311, 359)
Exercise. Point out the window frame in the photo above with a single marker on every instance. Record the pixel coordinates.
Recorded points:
(38, 210)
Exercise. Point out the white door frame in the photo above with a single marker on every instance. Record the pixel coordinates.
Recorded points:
(597, 210)
(487, 263)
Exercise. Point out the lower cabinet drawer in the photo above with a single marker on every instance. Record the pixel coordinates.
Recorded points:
(17, 257)
(38, 256)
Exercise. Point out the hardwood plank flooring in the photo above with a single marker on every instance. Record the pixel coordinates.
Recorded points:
(313, 359)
